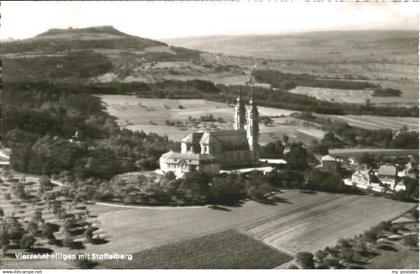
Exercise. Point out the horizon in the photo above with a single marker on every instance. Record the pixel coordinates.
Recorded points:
(163, 39)
(234, 19)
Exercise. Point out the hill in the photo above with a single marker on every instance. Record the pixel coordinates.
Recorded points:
(104, 54)
(56, 41)
(389, 58)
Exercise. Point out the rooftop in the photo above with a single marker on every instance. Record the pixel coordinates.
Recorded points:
(387, 170)
(172, 155)
(348, 152)
(228, 139)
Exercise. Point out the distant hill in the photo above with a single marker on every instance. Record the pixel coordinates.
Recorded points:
(389, 58)
(59, 40)
(307, 46)
(105, 54)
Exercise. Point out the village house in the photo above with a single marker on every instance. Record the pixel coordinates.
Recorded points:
(387, 175)
(331, 163)
(384, 179)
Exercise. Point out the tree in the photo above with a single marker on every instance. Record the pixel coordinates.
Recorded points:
(297, 158)
(407, 139)
(89, 233)
(1, 212)
(47, 230)
(320, 255)
(273, 150)
(411, 240)
(194, 187)
(27, 241)
(32, 227)
(370, 236)
(18, 190)
(305, 260)
(347, 254)
(331, 141)
(44, 184)
(4, 238)
(85, 263)
(367, 159)
(226, 189)
(14, 230)
(69, 223)
(37, 216)
(344, 243)
(258, 186)
(68, 240)
(318, 179)
(285, 139)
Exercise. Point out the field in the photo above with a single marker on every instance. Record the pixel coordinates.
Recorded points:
(357, 96)
(224, 250)
(375, 122)
(153, 115)
(302, 221)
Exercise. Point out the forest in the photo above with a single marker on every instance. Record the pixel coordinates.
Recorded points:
(51, 130)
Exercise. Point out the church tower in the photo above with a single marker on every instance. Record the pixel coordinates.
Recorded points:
(252, 129)
(239, 115)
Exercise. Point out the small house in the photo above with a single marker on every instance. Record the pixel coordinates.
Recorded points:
(388, 175)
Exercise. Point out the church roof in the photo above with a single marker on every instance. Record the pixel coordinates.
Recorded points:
(228, 139)
(193, 138)
(173, 156)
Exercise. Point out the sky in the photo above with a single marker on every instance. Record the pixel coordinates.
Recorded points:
(159, 20)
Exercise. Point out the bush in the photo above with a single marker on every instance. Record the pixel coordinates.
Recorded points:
(85, 264)
(320, 255)
(305, 260)
(293, 266)
(411, 240)
(325, 181)
(415, 214)
(27, 241)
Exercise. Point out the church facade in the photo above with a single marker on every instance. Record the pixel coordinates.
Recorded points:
(210, 151)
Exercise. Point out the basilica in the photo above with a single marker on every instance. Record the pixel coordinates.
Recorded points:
(210, 151)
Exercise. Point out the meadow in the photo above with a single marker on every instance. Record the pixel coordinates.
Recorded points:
(153, 115)
(354, 96)
(375, 122)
